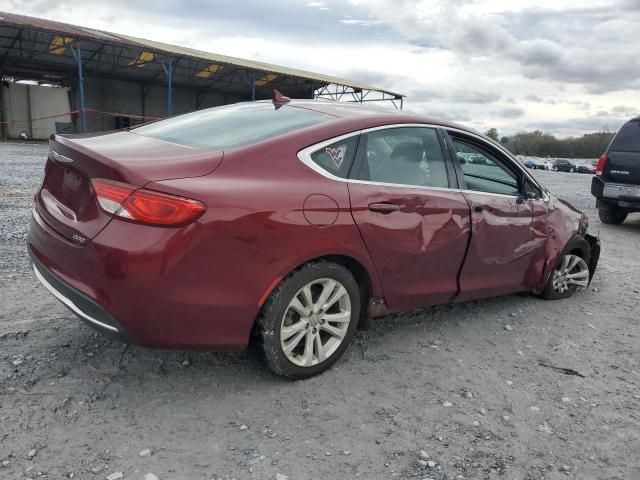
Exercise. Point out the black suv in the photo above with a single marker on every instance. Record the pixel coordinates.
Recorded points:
(564, 165)
(616, 184)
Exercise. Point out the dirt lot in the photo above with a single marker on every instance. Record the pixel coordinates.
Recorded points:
(463, 384)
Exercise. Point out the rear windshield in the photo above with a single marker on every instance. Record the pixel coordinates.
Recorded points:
(628, 138)
(232, 125)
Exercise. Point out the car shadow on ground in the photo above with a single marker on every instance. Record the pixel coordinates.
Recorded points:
(89, 364)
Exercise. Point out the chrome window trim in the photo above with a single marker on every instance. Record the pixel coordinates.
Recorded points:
(69, 304)
(401, 185)
(304, 156)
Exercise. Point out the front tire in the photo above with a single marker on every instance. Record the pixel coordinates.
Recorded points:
(612, 215)
(309, 320)
(570, 275)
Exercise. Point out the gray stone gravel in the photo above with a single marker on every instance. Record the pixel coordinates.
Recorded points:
(88, 404)
(22, 170)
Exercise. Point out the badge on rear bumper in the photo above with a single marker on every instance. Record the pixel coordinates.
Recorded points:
(79, 238)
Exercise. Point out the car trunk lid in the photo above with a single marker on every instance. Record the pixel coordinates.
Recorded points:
(66, 200)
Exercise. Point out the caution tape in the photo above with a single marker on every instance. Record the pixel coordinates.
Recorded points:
(44, 118)
(90, 110)
(114, 114)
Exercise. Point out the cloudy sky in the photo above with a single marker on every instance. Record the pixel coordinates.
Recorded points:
(562, 66)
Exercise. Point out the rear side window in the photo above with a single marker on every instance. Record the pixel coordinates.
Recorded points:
(232, 125)
(337, 157)
(628, 138)
(409, 156)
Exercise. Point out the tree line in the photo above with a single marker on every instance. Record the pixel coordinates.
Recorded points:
(539, 144)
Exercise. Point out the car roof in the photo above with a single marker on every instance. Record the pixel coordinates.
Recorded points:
(354, 111)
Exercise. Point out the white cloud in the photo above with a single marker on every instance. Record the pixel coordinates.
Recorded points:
(512, 64)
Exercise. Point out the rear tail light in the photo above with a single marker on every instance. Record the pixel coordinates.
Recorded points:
(601, 163)
(145, 206)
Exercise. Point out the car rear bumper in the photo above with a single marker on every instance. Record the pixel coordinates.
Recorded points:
(80, 304)
(186, 288)
(625, 196)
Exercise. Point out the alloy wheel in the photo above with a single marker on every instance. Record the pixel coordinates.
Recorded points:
(315, 322)
(571, 273)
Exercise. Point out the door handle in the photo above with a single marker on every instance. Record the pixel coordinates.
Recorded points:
(478, 209)
(384, 207)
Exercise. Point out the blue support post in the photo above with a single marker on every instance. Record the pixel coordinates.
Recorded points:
(253, 87)
(312, 92)
(83, 113)
(169, 71)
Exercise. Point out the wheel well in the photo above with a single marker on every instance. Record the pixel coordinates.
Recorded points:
(580, 247)
(357, 270)
(578, 252)
(362, 278)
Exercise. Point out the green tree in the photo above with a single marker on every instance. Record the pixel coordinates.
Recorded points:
(539, 144)
(492, 133)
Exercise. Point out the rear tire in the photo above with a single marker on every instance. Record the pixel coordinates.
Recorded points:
(612, 215)
(309, 320)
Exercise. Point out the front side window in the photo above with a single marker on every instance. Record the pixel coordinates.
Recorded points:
(531, 191)
(483, 172)
(232, 125)
(337, 157)
(405, 156)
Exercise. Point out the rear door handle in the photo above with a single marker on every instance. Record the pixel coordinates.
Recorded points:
(482, 208)
(384, 207)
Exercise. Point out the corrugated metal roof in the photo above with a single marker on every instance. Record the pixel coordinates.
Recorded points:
(125, 40)
(55, 27)
(262, 66)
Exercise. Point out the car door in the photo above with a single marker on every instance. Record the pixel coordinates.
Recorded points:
(415, 226)
(507, 228)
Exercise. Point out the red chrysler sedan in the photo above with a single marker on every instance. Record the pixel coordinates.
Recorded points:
(295, 223)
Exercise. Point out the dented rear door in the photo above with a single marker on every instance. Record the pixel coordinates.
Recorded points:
(415, 227)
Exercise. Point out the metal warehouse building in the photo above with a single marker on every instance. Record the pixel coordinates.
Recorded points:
(65, 78)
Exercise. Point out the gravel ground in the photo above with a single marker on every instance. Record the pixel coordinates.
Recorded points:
(447, 393)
